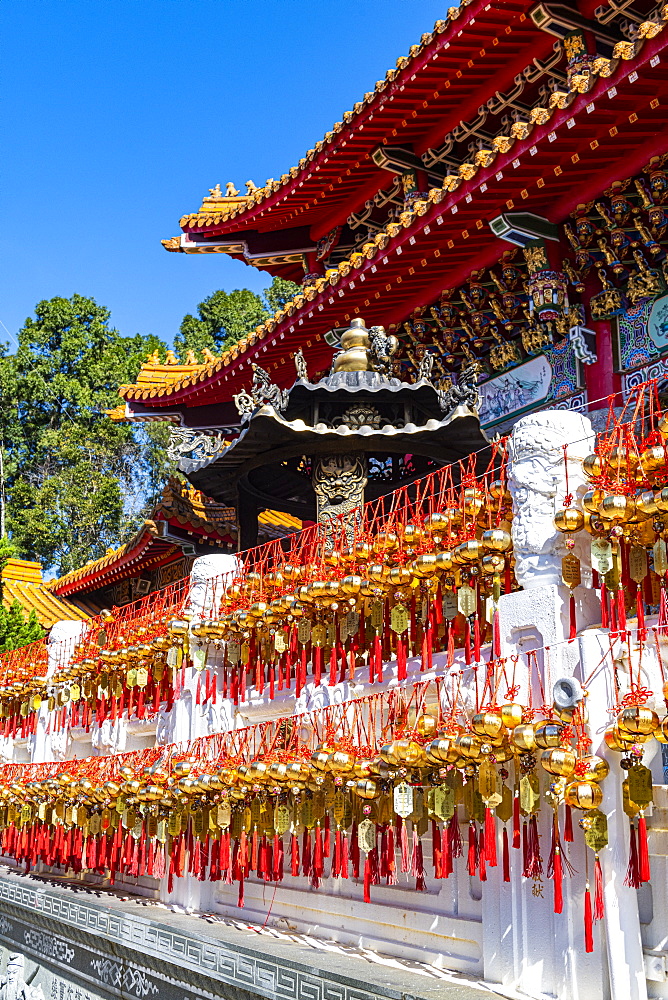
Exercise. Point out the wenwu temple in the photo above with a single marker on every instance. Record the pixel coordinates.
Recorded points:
(376, 704)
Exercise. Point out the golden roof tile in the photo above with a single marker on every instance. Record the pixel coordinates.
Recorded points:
(48, 607)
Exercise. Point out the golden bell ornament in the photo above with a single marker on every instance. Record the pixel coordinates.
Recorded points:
(426, 725)
(257, 770)
(592, 466)
(583, 795)
(400, 576)
(524, 737)
(559, 761)
(638, 721)
(661, 500)
(444, 561)
(618, 741)
(424, 565)
(663, 426)
(473, 500)
(468, 746)
(351, 585)
(617, 507)
(320, 759)
(436, 523)
(439, 749)
(548, 734)
(292, 573)
(413, 536)
(408, 752)
(487, 724)
(363, 551)
(496, 540)
(499, 490)
(661, 734)
(653, 458)
(468, 552)
(378, 572)
(569, 519)
(493, 563)
(340, 761)
(366, 788)
(511, 715)
(592, 500)
(593, 768)
(385, 542)
(622, 458)
(646, 503)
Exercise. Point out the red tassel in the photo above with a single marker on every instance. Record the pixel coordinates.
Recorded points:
(599, 904)
(378, 656)
(241, 900)
(336, 860)
(632, 879)
(421, 883)
(294, 855)
(344, 857)
(643, 850)
(516, 822)
(391, 864)
(367, 879)
(640, 614)
(490, 838)
(476, 639)
(467, 642)
(318, 659)
(472, 849)
(306, 853)
(403, 841)
(455, 837)
(333, 666)
(573, 622)
(436, 848)
(604, 605)
(318, 865)
(568, 826)
(401, 658)
(496, 625)
(506, 857)
(589, 923)
(557, 878)
(354, 848)
(481, 855)
(326, 838)
(621, 610)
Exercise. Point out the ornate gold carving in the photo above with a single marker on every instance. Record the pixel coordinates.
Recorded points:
(338, 483)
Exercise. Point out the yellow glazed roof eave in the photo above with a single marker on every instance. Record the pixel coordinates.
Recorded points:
(48, 607)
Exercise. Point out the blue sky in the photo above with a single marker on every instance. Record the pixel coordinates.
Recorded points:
(120, 114)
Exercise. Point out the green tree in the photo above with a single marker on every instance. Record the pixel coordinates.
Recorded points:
(223, 318)
(16, 630)
(77, 482)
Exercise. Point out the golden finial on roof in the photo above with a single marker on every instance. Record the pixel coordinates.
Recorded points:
(171, 358)
(154, 358)
(173, 245)
(230, 190)
(208, 355)
(215, 192)
(251, 187)
(190, 357)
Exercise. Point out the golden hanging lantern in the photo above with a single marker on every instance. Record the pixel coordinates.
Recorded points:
(583, 795)
(569, 519)
(559, 761)
(638, 721)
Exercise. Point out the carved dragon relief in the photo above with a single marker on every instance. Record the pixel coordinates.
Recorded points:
(338, 483)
